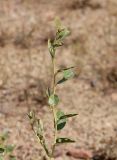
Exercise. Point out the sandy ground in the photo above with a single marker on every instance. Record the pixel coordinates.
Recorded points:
(25, 67)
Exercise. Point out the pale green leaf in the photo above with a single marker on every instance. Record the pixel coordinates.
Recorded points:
(31, 115)
(62, 34)
(53, 100)
(67, 74)
(39, 128)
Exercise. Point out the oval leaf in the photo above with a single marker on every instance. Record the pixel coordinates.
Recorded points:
(58, 24)
(64, 140)
(60, 122)
(53, 100)
(67, 74)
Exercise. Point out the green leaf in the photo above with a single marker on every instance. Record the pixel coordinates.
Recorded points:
(63, 69)
(59, 114)
(57, 43)
(31, 115)
(9, 148)
(58, 23)
(67, 74)
(64, 140)
(53, 100)
(61, 81)
(51, 48)
(68, 116)
(60, 122)
(39, 128)
(2, 150)
(48, 92)
(62, 33)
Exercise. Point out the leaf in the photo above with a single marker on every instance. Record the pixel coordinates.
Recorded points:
(64, 140)
(62, 33)
(53, 100)
(31, 115)
(67, 74)
(2, 150)
(57, 43)
(58, 23)
(68, 116)
(63, 69)
(51, 48)
(48, 92)
(9, 148)
(39, 128)
(60, 122)
(61, 81)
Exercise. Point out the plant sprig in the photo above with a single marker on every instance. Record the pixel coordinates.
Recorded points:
(59, 117)
(6, 150)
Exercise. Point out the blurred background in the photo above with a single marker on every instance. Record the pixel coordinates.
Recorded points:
(25, 73)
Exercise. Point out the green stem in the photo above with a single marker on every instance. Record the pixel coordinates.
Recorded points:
(54, 80)
(42, 143)
(54, 108)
